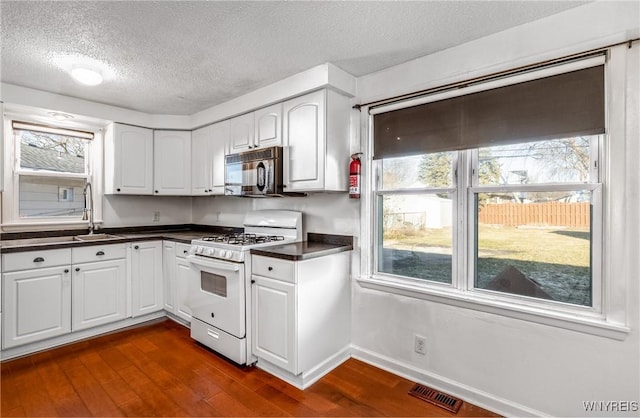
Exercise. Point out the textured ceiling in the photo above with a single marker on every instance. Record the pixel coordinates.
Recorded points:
(180, 57)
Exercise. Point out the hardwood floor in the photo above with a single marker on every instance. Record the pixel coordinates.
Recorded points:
(158, 370)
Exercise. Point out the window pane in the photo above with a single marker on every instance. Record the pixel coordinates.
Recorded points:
(415, 236)
(553, 161)
(44, 151)
(418, 171)
(45, 197)
(535, 244)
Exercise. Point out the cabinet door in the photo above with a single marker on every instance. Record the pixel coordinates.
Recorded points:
(218, 146)
(241, 133)
(129, 160)
(201, 161)
(184, 281)
(268, 129)
(172, 162)
(146, 278)
(36, 305)
(99, 293)
(304, 138)
(274, 322)
(169, 276)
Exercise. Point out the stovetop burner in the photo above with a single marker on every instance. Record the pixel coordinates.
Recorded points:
(244, 239)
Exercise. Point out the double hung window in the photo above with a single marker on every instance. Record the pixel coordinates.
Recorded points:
(495, 194)
(52, 167)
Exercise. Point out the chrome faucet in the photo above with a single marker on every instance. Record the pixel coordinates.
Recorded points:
(90, 211)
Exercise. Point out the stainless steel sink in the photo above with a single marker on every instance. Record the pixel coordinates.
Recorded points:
(94, 237)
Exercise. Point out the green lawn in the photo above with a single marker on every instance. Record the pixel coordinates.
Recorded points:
(557, 259)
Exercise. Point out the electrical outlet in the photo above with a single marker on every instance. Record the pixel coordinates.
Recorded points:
(420, 344)
(156, 216)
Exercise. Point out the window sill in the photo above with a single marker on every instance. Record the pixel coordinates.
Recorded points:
(566, 320)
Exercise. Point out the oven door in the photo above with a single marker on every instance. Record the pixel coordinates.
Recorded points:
(218, 295)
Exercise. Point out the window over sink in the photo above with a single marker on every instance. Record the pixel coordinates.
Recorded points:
(47, 170)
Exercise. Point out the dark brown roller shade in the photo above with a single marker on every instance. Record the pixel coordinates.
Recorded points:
(559, 106)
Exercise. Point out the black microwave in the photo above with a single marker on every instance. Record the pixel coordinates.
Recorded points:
(256, 173)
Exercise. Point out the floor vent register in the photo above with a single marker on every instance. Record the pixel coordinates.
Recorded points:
(436, 398)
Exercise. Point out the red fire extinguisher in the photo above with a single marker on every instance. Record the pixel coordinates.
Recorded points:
(354, 176)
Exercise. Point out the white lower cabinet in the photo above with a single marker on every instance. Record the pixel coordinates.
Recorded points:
(177, 279)
(183, 282)
(99, 293)
(99, 285)
(274, 313)
(146, 278)
(169, 275)
(300, 316)
(36, 305)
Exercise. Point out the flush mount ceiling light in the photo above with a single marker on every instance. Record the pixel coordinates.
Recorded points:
(86, 76)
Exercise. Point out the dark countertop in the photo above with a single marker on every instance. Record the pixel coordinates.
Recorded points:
(52, 243)
(318, 245)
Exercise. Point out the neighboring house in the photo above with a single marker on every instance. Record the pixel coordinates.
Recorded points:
(40, 195)
(418, 211)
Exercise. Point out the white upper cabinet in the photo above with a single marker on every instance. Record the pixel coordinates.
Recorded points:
(128, 160)
(268, 126)
(172, 162)
(207, 159)
(217, 148)
(241, 133)
(262, 128)
(201, 161)
(316, 140)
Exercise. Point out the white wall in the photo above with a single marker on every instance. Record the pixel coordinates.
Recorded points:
(326, 213)
(510, 365)
(118, 210)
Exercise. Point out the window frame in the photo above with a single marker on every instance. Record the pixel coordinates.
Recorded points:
(11, 220)
(603, 318)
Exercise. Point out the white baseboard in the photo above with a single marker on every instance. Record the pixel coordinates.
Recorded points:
(467, 393)
(304, 380)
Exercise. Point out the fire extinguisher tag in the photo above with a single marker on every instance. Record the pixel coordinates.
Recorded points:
(354, 186)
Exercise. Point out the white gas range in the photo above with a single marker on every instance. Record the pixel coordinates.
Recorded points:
(220, 296)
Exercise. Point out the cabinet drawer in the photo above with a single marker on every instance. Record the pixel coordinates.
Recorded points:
(182, 250)
(36, 259)
(98, 253)
(273, 267)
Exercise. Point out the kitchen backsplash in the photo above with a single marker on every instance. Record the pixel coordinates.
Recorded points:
(328, 213)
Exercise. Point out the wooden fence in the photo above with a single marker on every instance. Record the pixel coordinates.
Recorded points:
(548, 213)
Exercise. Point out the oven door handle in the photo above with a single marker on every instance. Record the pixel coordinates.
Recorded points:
(213, 264)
